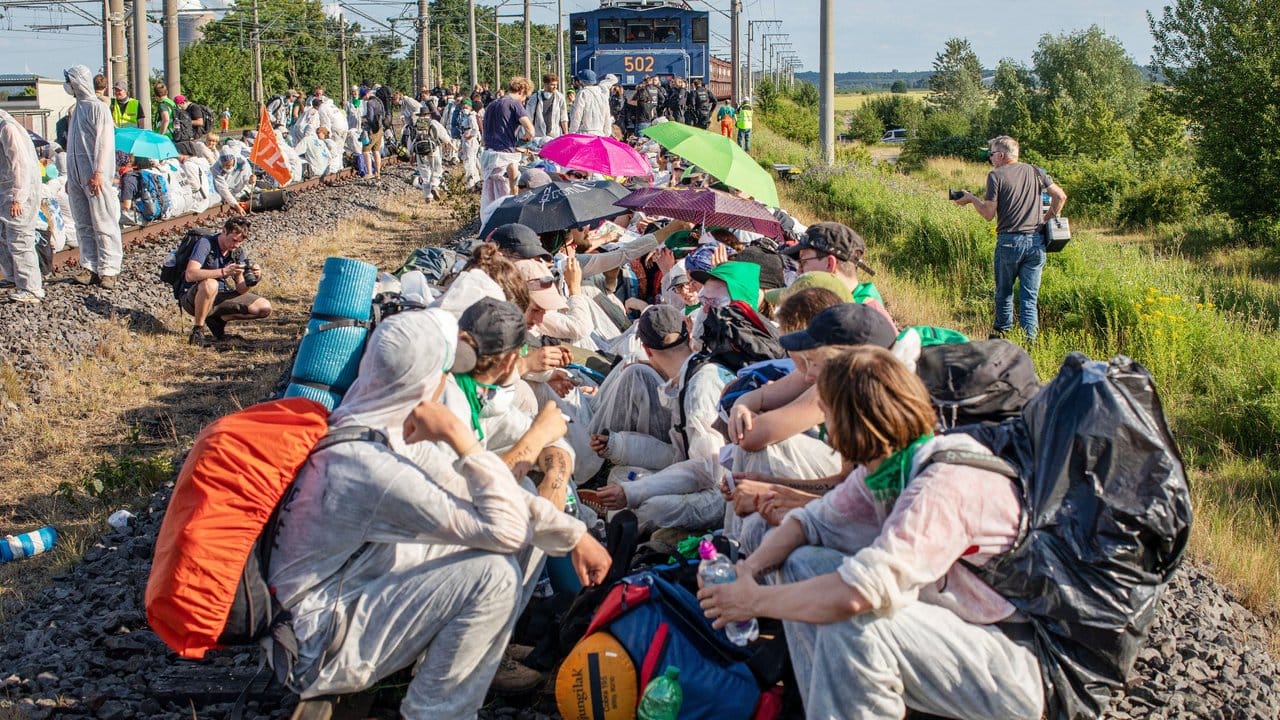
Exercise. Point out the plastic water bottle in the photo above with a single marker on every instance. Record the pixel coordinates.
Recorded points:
(662, 697)
(715, 569)
(16, 547)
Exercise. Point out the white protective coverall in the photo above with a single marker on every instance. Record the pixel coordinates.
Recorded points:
(315, 153)
(431, 167)
(381, 567)
(469, 146)
(232, 183)
(590, 114)
(91, 150)
(19, 183)
(494, 166)
(683, 491)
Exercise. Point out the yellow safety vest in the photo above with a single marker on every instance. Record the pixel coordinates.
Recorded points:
(125, 115)
(744, 119)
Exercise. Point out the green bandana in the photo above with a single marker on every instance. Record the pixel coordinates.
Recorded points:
(889, 479)
(468, 387)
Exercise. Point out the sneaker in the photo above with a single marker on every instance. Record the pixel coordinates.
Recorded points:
(515, 677)
(107, 281)
(86, 277)
(25, 297)
(200, 337)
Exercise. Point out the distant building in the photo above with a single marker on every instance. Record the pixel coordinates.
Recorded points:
(36, 102)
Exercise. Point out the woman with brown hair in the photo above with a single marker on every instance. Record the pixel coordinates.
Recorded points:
(881, 615)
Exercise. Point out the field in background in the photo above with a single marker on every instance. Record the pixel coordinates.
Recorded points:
(853, 101)
(1204, 323)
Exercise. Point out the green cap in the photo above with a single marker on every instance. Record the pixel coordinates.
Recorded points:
(815, 279)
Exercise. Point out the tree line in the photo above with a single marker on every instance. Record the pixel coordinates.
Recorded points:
(1197, 133)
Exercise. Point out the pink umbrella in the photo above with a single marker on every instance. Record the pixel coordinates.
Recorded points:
(596, 154)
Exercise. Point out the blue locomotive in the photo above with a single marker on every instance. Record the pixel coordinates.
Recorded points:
(636, 38)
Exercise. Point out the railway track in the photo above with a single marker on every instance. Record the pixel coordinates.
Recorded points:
(70, 257)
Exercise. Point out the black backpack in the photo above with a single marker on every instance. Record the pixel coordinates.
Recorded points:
(182, 129)
(384, 96)
(1108, 519)
(978, 381)
(205, 115)
(174, 268)
(733, 337)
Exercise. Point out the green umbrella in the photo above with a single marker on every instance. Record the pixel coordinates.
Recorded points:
(719, 156)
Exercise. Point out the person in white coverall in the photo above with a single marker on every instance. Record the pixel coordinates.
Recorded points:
(91, 164)
(232, 178)
(590, 113)
(382, 568)
(19, 204)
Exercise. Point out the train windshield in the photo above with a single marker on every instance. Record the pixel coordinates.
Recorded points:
(612, 31)
(699, 30)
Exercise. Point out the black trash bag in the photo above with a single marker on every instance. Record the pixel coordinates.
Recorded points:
(1108, 519)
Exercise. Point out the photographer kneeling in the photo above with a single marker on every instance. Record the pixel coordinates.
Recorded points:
(215, 285)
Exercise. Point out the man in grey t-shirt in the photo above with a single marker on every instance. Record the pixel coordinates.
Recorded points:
(1013, 199)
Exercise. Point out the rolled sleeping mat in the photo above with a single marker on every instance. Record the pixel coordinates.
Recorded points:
(329, 354)
(327, 398)
(345, 290)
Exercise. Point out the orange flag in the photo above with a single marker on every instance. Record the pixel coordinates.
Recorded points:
(266, 151)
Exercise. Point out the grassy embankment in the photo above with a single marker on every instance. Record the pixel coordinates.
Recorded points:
(1204, 326)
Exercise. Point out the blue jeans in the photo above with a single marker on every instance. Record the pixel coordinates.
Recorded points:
(1019, 256)
(744, 139)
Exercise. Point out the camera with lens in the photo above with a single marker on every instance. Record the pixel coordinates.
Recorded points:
(955, 194)
(250, 277)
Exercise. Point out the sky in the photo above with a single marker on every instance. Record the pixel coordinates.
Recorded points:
(870, 36)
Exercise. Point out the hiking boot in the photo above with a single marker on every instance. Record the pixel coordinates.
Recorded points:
(107, 281)
(25, 297)
(86, 277)
(200, 336)
(217, 327)
(517, 652)
(515, 677)
(320, 708)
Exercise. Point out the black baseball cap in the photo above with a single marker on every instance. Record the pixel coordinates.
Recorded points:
(659, 321)
(832, 238)
(772, 270)
(844, 324)
(519, 240)
(497, 327)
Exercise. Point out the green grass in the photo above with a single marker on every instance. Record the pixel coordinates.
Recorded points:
(1206, 331)
(853, 101)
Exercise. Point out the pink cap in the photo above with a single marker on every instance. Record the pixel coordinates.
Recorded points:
(706, 550)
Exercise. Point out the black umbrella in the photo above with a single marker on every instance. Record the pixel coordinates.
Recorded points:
(39, 141)
(559, 206)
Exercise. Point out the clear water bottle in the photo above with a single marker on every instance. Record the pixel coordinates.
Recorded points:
(715, 569)
(16, 547)
(662, 697)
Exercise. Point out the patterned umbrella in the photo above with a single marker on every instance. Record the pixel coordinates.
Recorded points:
(558, 206)
(596, 154)
(705, 207)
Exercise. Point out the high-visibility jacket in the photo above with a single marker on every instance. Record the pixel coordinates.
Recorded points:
(124, 114)
(744, 119)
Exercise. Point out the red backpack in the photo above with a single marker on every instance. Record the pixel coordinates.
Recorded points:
(228, 489)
